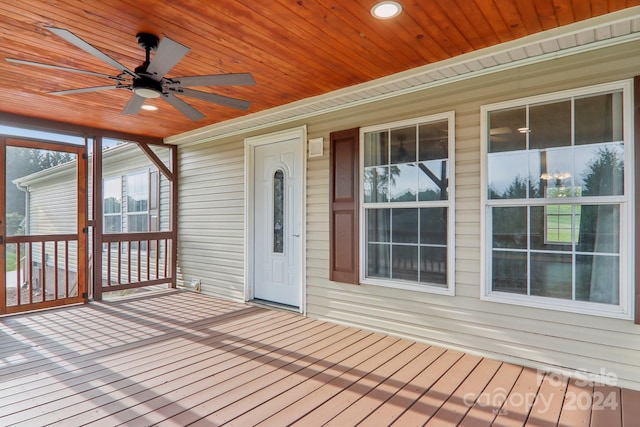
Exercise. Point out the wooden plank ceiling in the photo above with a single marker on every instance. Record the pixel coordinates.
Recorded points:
(293, 49)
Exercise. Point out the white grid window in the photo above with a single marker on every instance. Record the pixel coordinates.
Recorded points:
(556, 197)
(406, 204)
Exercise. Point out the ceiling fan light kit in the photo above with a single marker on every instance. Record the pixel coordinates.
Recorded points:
(148, 80)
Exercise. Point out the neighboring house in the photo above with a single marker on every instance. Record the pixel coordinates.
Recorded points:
(485, 203)
(134, 200)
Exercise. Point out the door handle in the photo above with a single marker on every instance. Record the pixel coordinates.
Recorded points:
(296, 235)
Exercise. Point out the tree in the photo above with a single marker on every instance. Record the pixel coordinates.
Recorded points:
(25, 161)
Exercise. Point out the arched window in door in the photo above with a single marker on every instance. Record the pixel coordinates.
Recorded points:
(278, 211)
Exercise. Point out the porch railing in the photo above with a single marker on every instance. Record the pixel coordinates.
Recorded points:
(134, 260)
(44, 271)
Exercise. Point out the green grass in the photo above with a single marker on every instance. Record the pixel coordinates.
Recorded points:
(559, 225)
(11, 261)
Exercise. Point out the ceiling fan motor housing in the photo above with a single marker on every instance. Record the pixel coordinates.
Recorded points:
(146, 87)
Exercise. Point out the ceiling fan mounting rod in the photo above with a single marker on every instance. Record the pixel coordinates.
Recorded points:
(148, 42)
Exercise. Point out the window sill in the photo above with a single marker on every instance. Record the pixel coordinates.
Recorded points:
(409, 286)
(569, 306)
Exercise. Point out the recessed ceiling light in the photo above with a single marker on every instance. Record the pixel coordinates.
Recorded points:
(386, 10)
(149, 107)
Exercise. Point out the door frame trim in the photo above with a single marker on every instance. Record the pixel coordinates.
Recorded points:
(250, 144)
(82, 221)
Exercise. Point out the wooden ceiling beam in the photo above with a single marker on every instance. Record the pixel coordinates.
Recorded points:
(24, 122)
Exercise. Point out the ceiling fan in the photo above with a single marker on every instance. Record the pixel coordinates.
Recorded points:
(147, 80)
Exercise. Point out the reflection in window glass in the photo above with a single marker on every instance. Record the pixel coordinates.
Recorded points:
(508, 178)
(405, 224)
(434, 141)
(509, 227)
(599, 229)
(552, 172)
(403, 183)
(112, 205)
(539, 227)
(434, 180)
(598, 118)
(433, 226)
(562, 224)
(433, 265)
(404, 262)
(138, 202)
(551, 275)
(509, 272)
(556, 232)
(600, 169)
(550, 125)
(376, 184)
(378, 225)
(376, 151)
(278, 212)
(378, 261)
(408, 243)
(403, 145)
(556, 197)
(597, 277)
(507, 130)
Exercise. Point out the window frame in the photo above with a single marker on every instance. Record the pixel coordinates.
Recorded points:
(104, 205)
(449, 204)
(624, 308)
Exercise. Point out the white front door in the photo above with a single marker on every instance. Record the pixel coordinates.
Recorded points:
(277, 228)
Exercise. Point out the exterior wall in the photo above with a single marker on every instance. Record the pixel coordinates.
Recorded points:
(53, 202)
(131, 160)
(211, 217)
(211, 231)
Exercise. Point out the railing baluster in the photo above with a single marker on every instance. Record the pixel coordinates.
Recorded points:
(119, 263)
(157, 259)
(55, 269)
(30, 281)
(148, 259)
(131, 259)
(108, 264)
(42, 276)
(66, 269)
(139, 256)
(166, 251)
(18, 271)
(129, 262)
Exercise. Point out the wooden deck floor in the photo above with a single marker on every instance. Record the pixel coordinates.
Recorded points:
(177, 358)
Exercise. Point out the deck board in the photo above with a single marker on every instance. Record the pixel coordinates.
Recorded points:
(179, 358)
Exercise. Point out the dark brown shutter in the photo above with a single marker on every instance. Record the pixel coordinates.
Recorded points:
(343, 208)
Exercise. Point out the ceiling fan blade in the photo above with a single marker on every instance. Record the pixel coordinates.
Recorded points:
(134, 104)
(82, 90)
(217, 99)
(240, 79)
(78, 42)
(169, 53)
(183, 107)
(56, 67)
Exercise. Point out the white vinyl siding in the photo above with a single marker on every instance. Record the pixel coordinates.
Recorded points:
(212, 217)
